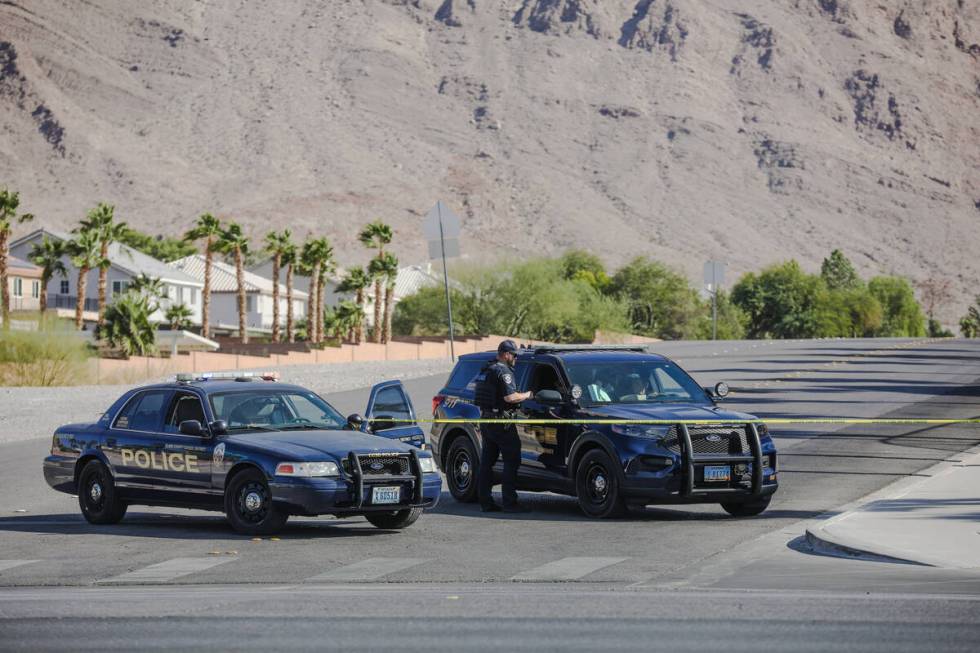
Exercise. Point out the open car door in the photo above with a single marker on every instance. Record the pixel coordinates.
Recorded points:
(390, 414)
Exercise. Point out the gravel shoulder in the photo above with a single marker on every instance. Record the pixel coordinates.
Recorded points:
(28, 412)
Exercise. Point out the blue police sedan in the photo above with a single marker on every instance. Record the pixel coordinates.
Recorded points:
(257, 449)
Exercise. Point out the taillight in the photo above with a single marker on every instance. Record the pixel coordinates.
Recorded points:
(435, 403)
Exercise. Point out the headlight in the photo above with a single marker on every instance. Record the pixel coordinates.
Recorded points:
(308, 469)
(427, 464)
(640, 430)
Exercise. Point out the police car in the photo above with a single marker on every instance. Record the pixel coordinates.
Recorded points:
(254, 448)
(609, 467)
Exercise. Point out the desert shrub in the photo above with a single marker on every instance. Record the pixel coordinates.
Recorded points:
(43, 358)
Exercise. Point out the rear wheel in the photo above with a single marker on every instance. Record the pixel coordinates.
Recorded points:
(396, 519)
(97, 496)
(249, 506)
(746, 508)
(461, 468)
(597, 486)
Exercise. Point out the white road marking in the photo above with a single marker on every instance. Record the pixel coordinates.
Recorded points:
(10, 564)
(370, 569)
(567, 569)
(167, 571)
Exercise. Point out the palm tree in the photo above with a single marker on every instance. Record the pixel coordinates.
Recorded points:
(85, 252)
(179, 316)
(316, 260)
(356, 281)
(101, 221)
(9, 201)
(376, 235)
(288, 258)
(276, 243)
(233, 242)
(327, 266)
(152, 288)
(347, 317)
(208, 229)
(47, 255)
(385, 269)
(127, 325)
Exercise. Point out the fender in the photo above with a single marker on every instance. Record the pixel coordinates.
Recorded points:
(469, 431)
(89, 453)
(590, 438)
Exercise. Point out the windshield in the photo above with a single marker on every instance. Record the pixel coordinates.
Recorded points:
(267, 409)
(634, 382)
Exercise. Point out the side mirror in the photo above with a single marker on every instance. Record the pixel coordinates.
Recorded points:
(548, 397)
(382, 422)
(720, 390)
(356, 421)
(218, 427)
(191, 427)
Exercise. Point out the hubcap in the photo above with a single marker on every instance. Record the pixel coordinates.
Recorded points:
(600, 483)
(95, 492)
(462, 470)
(253, 501)
(597, 484)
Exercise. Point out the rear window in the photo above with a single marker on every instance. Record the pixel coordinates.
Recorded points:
(465, 372)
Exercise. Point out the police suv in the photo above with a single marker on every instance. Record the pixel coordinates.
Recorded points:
(610, 466)
(254, 448)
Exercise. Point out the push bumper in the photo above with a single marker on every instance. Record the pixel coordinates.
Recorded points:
(59, 472)
(329, 496)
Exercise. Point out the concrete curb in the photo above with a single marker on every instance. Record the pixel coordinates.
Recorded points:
(843, 547)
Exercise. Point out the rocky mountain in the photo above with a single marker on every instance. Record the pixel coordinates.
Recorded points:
(748, 131)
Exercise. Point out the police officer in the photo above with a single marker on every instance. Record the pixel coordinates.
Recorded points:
(495, 394)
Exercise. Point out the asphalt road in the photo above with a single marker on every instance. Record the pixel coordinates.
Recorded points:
(687, 578)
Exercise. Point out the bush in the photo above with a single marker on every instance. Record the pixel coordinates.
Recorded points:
(43, 358)
(660, 301)
(127, 325)
(782, 301)
(902, 315)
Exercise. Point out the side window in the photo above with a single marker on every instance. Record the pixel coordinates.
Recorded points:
(389, 403)
(544, 377)
(464, 374)
(142, 412)
(184, 406)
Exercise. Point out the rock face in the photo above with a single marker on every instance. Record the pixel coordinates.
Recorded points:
(746, 131)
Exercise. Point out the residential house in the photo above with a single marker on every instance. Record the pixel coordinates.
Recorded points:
(23, 285)
(224, 295)
(300, 282)
(409, 281)
(126, 264)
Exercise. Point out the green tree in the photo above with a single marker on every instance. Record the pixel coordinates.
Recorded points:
(731, 320)
(234, 243)
(47, 255)
(288, 259)
(838, 272)
(782, 301)
(163, 248)
(101, 221)
(342, 321)
(152, 288)
(580, 265)
(84, 251)
(277, 243)
(315, 257)
(902, 314)
(207, 228)
(970, 323)
(385, 268)
(375, 236)
(179, 316)
(661, 302)
(127, 325)
(356, 281)
(849, 313)
(9, 203)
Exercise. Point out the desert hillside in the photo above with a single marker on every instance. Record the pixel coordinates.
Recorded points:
(750, 131)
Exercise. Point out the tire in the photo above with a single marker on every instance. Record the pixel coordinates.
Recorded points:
(597, 486)
(97, 495)
(395, 520)
(249, 506)
(746, 508)
(461, 469)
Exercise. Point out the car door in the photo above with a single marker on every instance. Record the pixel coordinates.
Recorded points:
(390, 414)
(187, 458)
(133, 436)
(540, 451)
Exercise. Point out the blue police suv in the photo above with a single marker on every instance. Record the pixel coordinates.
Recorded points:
(611, 466)
(256, 449)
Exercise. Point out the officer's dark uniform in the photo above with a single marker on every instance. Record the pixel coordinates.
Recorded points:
(496, 382)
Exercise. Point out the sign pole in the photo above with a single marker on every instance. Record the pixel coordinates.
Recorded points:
(445, 277)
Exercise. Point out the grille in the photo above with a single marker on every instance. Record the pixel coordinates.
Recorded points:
(714, 439)
(393, 465)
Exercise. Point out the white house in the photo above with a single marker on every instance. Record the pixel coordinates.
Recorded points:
(409, 281)
(126, 264)
(331, 296)
(224, 295)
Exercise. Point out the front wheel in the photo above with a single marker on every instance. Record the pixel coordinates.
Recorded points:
(461, 469)
(394, 520)
(746, 508)
(249, 506)
(97, 496)
(597, 486)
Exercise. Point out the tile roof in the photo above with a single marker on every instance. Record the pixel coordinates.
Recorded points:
(224, 279)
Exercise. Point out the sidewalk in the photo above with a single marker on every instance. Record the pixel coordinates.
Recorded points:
(933, 521)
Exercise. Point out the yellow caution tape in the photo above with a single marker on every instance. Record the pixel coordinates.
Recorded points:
(696, 422)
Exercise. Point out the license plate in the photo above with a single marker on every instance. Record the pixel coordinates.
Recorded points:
(386, 495)
(717, 473)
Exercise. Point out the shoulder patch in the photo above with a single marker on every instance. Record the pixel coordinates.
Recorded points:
(508, 378)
